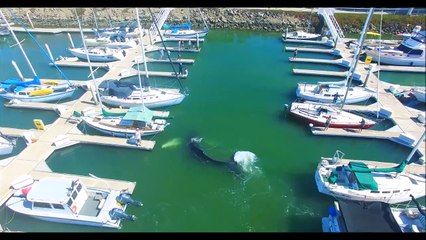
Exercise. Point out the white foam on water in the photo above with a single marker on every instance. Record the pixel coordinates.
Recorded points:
(246, 160)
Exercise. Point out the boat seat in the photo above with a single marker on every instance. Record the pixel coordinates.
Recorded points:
(101, 203)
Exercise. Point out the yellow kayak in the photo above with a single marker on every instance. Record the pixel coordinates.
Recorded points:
(41, 92)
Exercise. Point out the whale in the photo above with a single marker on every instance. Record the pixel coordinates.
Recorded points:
(200, 149)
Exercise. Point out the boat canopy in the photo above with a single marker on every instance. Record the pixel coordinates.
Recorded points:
(363, 176)
(139, 113)
(18, 82)
(175, 27)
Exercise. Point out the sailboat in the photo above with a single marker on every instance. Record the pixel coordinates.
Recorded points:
(123, 125)
(117, 95)
(32, 90)
(322, 114)
(360, 182)
(334, 93)
(184, 30)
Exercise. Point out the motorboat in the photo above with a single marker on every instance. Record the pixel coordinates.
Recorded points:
(70, 201)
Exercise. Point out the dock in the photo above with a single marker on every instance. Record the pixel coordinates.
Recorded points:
(38, 105)
(175, 39)
(325, 73)
(339, 62)
(335, 52)
(174, 60)
(79, 63)
(109, 141)
(325, 42)
(388, 68)
(132, 72)
(52, 30)
(172, 49)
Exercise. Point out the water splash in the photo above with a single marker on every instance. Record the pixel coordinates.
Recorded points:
(172, 143)
(246, 160)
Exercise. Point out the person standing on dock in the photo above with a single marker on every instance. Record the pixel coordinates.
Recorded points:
(362, 125)
(295, 53)
(180, 68)
(327, 122)
(138, 137)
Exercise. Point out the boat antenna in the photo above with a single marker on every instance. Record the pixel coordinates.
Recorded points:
(356, 55)
(35, 40)
(19, 44)
(88, 59)
(168, 54)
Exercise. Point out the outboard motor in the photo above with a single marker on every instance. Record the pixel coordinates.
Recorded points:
(119, 214)
(125, 198)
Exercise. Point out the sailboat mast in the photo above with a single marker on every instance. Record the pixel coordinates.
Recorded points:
(94, 18)
(202, 17)
(88, 59)
(19, 44)
(378, 64)
(143, 55)
(416, 147)
(356, 55)
(165, 48)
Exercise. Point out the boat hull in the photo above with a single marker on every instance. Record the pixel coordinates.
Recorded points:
(55, 96)
(93, 57)
(397, 60)
(420, 94)
(307, 92)
(201, 34)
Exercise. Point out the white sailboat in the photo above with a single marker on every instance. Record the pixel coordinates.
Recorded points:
(420, 94)
(300, 35)
(98, 54)
(185, 31)
(360, 182)
(33, 90)
(131, 96)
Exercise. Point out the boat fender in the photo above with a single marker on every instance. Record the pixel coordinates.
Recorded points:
(74, 209)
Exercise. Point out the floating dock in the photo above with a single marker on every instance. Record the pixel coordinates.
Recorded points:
(388, 68)
(172, 49)
(325, 73)
(339, 62)
(52, 30)
(79, 63)
(335, 52)
(175, 39)
(326, 42)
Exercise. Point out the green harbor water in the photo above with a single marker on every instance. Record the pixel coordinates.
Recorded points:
(237, 90)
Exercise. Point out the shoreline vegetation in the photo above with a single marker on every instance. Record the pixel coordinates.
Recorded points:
(263, 19)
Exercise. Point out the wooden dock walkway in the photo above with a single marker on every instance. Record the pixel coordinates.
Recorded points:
(325, 73)
(132, 72)
(314, 50)
(38, 105)
(174, 60)
(339, 62)
(388, 68)
(326, 42)
(68, 63)
(171, 49)
(52, 30)
(110, 141)
(175, 39)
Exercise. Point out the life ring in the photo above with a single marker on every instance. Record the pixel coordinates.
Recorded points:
(74, 209)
